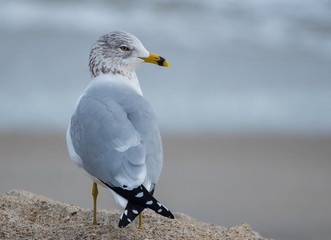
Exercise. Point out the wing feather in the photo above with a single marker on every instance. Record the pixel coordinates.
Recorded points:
(115, 134)
(107, 143)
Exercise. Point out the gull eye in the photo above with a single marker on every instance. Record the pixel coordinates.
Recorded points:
(124, 48)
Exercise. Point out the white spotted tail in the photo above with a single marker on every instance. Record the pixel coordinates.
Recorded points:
(138, 199)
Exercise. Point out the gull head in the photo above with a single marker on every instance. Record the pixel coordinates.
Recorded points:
(120, 53)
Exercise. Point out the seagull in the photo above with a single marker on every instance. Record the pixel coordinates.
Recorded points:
(113, 133)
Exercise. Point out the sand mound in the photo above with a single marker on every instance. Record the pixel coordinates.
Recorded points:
(30, 216)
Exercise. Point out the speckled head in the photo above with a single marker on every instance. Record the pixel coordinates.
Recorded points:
(120, 53)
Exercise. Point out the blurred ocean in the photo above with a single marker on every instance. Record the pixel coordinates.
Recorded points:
(235, 66)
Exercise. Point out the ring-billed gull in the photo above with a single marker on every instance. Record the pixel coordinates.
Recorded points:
(113, 133)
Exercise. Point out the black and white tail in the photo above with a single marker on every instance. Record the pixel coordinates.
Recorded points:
(138, 199)
(131, 211)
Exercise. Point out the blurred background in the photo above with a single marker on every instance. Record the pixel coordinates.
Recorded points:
(244, 109)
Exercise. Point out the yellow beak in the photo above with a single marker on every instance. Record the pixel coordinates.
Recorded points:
(158, 60)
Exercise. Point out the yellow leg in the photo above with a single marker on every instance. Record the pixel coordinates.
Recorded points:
(95, 195)
(141, 221)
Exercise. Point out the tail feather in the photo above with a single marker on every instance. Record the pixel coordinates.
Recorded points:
(131, 211)
(141, 196)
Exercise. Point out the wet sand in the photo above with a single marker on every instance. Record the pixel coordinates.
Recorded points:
(280, 185)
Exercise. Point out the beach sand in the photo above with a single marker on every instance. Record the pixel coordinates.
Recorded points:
(29, 216)
(280, 185)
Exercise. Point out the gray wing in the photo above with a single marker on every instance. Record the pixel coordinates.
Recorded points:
(118, 145)
(144, 121)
